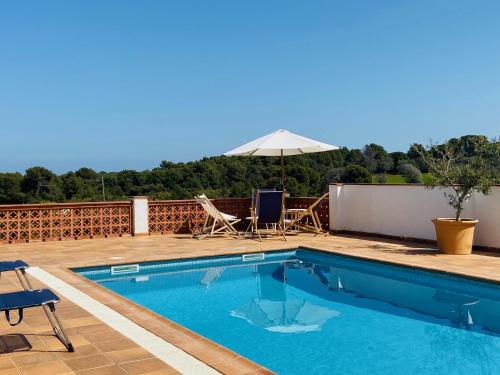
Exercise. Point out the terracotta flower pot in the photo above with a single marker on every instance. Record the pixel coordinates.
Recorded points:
(455, 237)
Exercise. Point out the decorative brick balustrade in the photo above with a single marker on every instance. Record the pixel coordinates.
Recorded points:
(44, 222)
(187, 216)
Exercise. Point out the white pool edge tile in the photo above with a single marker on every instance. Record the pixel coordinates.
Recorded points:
(163, 350)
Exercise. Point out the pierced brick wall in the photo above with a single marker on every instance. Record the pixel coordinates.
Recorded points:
(48, 222)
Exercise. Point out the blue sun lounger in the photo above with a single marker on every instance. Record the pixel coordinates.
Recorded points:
(29, 298)
(19, 267)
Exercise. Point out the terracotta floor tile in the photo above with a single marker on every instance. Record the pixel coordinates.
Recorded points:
(113, 345)
(10, 371)
(79, 322)
(264, 371)
(54, 343)
(80, 351)
(170, 371)
(108, 370)
(49, 368)
(89, 362)
(34, 358)
(174, 337)
(193, 346)
(128, 355)
(99, 336)
(99, 327)
(235, 367)
(43, 327)
(212, 357)
(5, 363)
(145, 366)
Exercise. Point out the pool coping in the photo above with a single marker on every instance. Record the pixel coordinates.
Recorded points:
(214, 355)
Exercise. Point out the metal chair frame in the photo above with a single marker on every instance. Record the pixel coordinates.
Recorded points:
(49, 307)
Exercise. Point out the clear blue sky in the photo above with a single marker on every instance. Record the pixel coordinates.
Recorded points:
(125, 84)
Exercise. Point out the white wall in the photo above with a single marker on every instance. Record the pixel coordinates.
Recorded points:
(407, 211)
(140, 222)
(487, 210)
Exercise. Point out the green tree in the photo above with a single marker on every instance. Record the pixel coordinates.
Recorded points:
(354, 156)
(376, 159)
(414, 154)
(398, 159)
(40, 184)
(357, 174)
(73, 186)
(411, 174)
(86, 174)
(10, 188)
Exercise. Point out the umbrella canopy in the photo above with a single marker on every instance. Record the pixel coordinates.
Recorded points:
(278, 143)
(281, 143)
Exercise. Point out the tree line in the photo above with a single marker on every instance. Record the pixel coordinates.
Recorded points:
(221, 176)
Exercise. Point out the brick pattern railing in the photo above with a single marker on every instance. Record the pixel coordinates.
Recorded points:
(45, 222)
(187, 216)
(175, 216)
(239, 207)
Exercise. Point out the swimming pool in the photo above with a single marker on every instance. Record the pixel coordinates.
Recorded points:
(308, 312)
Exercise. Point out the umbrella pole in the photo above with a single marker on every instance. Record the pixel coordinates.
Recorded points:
(282, 171)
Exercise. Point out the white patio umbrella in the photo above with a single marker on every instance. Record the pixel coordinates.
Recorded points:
(281, 143)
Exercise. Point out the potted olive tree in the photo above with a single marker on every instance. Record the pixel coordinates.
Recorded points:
(460, 175)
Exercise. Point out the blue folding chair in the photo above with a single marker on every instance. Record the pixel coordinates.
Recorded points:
(254, 212)
(29, 298)
(269, 206)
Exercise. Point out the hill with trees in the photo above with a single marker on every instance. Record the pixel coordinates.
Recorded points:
(221, 176)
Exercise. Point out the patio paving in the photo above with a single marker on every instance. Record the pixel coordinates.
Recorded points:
(101, 350)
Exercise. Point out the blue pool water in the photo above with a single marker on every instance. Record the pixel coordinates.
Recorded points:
(306, 312)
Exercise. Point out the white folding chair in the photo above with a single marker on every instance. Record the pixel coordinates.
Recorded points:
(216, 222)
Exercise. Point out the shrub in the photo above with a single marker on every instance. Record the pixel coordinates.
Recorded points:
(411, 174)
(357, 174)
